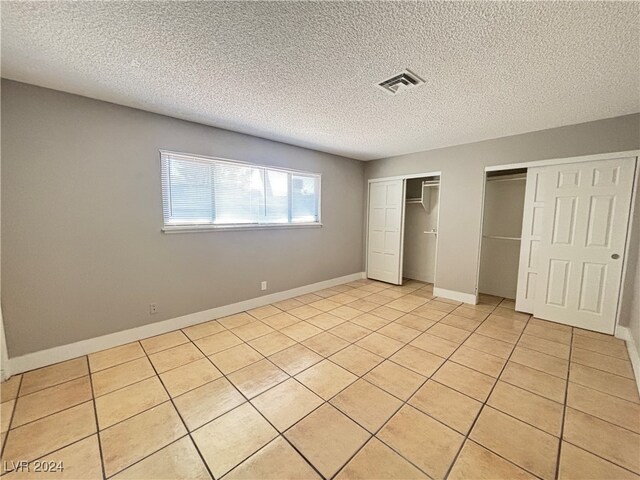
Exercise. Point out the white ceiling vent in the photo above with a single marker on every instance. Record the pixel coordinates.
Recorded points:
(402, 81)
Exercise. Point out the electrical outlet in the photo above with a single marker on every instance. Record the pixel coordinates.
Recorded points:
(263, 286)
(153, 308)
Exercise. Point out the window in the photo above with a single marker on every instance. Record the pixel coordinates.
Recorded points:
(207, 193)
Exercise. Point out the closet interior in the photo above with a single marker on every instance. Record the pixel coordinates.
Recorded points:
(501, 231)
(421, 228)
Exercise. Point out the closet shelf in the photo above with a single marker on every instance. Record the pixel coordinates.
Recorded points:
(414, 200)
(432, 232)
(500, 237)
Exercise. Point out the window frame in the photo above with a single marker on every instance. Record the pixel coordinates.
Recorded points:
(210, 227)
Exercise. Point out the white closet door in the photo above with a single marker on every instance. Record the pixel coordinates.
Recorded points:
(384, 255)
(530, 239)
(583, 241)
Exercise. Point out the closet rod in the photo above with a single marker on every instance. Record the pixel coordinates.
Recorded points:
(506, 178)
(499, 237)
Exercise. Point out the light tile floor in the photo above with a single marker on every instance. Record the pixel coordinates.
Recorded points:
(363, 380)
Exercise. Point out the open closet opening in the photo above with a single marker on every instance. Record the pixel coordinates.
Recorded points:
(504, 200)
(420, 240)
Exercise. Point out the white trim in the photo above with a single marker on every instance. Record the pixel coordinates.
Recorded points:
(453, 295)
(222, 228)
(84, 347)
(624, 333)
(5, 367)
(406, 177)
(558, 161)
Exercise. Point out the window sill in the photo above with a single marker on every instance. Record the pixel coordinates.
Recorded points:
(224, 228)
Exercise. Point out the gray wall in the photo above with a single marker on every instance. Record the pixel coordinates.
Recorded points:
(462, 170)
(82, 251)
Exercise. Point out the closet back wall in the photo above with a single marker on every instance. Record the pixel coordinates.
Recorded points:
(82, 250)
(462, 170)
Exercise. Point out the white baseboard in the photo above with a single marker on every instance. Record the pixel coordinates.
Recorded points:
(632, 347)
(453, 295)
(50, 356)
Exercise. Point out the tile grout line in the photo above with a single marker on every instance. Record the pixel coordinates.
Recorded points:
(95, 414)
(564, 409)
(13, 412)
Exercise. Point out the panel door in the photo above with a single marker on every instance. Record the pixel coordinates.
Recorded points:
(583, 242)
(532, 223)
(384, 251)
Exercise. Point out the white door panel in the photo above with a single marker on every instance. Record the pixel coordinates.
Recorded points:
(581, 250)
(386, 201)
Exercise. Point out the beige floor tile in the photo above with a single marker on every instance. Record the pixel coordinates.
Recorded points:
(295, 359)
(461, 322)
(111, 357)
(485, 299)
(326, 378)
(606, 407)
(489, 345)
(276, 461)
(207, 402)
(465, 311)
(478, 463)
(177, 460)
(465, 380)
(324, 305)
(578, 464)
(378, 299)
(162, 342)
(280, 320)
(252, 330)
(308, 298)
(257, 377)
(355, 359)
(538, 344)
(129, 401)
(398, 381)
(203, 329)
(325, 321)
(429, 313)
(325, 344)
(301, 331)
(448, 301)
(304, 312)
(379, 344)
(420, 361)
(518, 442)
(263, 312)
(512, 326)
(498, 333)
(510, 314)
(367, 404)
(80, 460)
(9, 389)
(271, 343)
(235, 358)
(604, 347)
(370, 321)
(286, 403)
(175, 357)
(603, 362)
(364, 305)
(387, 313)
(552, 334)
(217, 342)
(187, 377)
(327, 438)
(435, 304)
(231, 438)
(541, 361)
(376, 460)
(528, 407)
(436, 345)
(346, 312)
(604, 382)
(389, 293)
(113, 378)
(399, 332)
(598, 336)
(288, 304)
(55, 374)
(604, 439)
(422, 440)
(350, 332)
(343, 298)
(237, 320)
(51, 400)
(446, 405)
(535, 381)
(402, 305)
(134, 439)
(6, 411)
(477, 360)
(414, 322)
(36, 439)
(547, 324)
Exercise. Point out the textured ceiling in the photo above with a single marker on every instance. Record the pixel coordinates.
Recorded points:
(305, 72)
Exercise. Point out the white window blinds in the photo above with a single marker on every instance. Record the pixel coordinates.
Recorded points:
(207, 192)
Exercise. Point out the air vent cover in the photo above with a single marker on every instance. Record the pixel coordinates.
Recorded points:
(402, 81)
